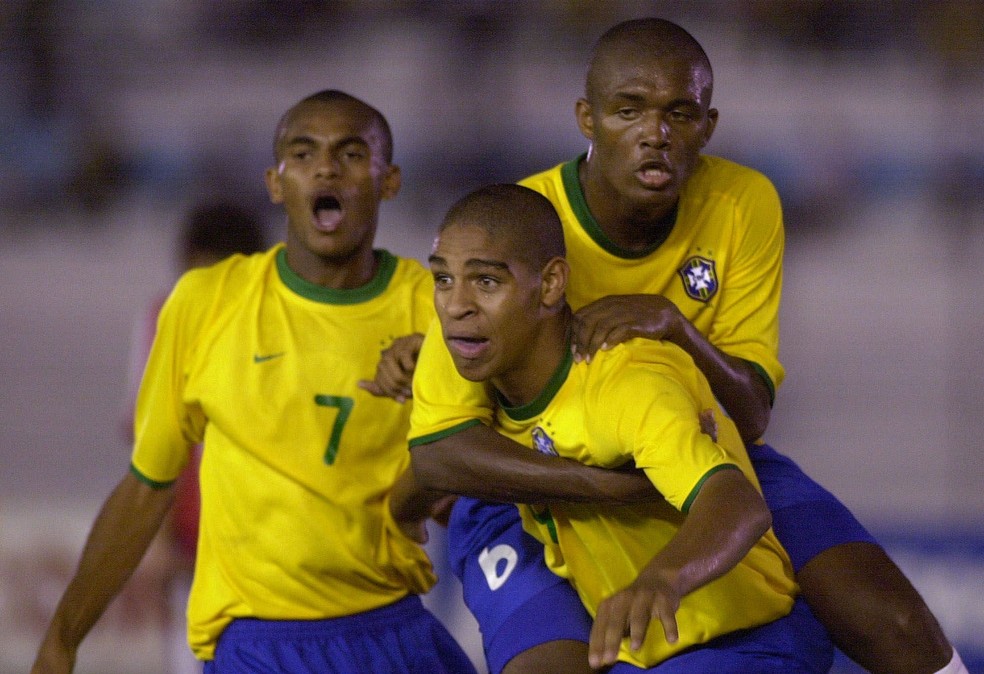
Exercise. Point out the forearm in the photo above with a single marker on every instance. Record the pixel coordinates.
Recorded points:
(120, 536)
(725, 521)
(736, 384)
(481, 463)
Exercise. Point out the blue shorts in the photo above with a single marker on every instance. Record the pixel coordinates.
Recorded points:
(806, 518)
(518, 602)
(794, 644)
(402, 637)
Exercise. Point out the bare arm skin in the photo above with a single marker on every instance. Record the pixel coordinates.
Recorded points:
(619, 318)
(481, 463)
(726, 519)
(120, 536)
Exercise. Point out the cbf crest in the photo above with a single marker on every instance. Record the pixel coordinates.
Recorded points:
(542, 442)
(700, 279)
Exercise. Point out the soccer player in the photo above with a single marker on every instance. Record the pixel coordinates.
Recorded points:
(668, 244)
(299, 567)
(499, 283)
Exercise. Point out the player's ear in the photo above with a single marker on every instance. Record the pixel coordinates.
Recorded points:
(712, 120)
(582, 110)
(553, 281)
(272, 179)
(391, 182)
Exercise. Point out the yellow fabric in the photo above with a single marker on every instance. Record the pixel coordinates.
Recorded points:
(262, 367)
(728, 214)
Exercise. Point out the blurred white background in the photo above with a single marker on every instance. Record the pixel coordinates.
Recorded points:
(117, 115)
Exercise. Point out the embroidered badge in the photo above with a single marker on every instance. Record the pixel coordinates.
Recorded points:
(542, 442)
(699, 278)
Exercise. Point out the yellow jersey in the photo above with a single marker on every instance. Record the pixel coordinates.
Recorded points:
(262, 367)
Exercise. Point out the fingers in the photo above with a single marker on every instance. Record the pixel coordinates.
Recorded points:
(629, 613)
(394, 372)
(606, 633)
(708, 424)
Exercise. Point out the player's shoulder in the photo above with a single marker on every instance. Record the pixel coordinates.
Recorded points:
(642, 358)
(548, 180)
(720, 174)
(232, 274)
(409, 272)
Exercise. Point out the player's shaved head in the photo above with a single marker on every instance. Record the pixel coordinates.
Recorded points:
(517, 216)
(336, 97)
(640, 40)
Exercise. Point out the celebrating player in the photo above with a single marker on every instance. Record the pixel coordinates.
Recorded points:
(299, 567)
(664, 243)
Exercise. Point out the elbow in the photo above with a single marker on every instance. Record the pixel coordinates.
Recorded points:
(753, 426)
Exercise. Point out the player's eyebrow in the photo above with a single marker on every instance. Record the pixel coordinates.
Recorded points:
(471, 262)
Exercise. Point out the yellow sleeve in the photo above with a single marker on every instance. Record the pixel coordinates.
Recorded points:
(443, 399)
(657, 419)
(164, 426)
(747, 323)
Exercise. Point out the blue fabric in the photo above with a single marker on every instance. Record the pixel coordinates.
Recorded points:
(794, 644)
(806, 518)
(530, 605)
(398, 639)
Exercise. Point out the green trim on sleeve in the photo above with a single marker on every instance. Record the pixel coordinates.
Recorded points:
(767, 379)
(147, 481)
(696, 490)
(440, 435)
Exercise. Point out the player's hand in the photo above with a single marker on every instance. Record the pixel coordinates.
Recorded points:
(629, 613)
(708, 423)
(618, 318)
(394, 372)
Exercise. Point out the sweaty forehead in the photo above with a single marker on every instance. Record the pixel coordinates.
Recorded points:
(330, 121)
(625, 69)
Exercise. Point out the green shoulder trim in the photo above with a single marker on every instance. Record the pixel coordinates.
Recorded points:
(153, 484)
(696, 490)
(572, 186)
(537, 405)
(767, 379)
(312, 291)
(440, 435)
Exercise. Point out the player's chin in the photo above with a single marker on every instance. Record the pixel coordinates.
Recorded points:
(471, 369)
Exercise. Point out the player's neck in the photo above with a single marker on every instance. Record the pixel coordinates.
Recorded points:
(550, 349)
(338, 272)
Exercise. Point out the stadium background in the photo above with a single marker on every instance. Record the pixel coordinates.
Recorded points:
(117, 114)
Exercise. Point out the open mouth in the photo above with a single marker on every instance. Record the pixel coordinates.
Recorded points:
(467, 347)
(327, 213)
(654, 175)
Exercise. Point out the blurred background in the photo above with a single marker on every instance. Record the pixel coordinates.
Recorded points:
(117, 116)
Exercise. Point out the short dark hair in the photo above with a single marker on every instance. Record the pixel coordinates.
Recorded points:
(654, 36)
(337, 96)
(523, 217)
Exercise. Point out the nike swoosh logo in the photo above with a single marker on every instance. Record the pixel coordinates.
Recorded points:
(257, 358)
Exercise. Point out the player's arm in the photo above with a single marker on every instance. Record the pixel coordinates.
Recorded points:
(477, 461)
(736, 383)
(121, 534)
(724, 521)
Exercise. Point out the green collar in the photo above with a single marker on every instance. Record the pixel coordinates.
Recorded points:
(312, 291)
(572, 186)
(536, 406)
